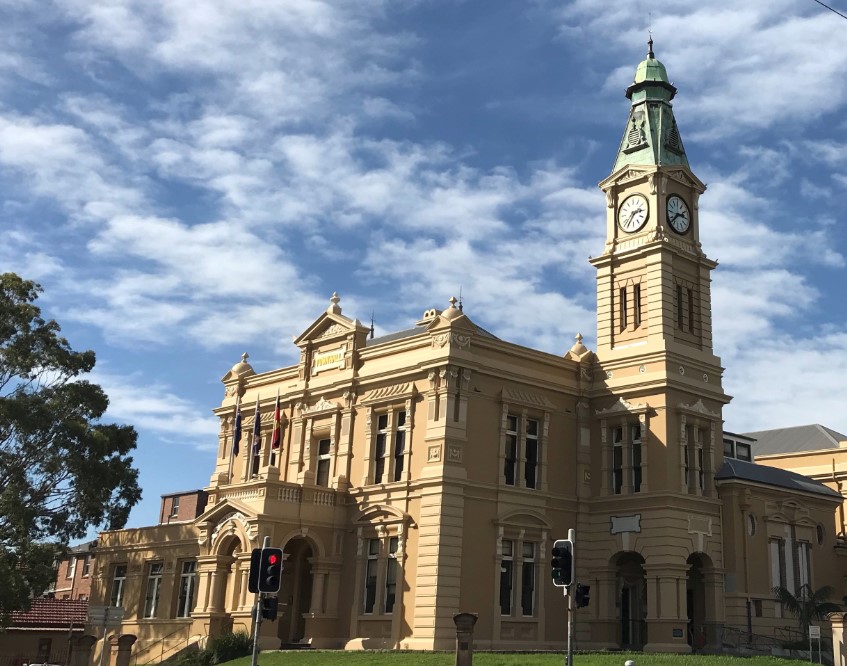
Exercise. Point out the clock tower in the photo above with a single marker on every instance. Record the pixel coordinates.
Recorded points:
(657, 400)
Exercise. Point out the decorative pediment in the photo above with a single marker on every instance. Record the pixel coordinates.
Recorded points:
(331, 324)
(388, 393)
(625, 175)
(527, 398)
(699, 408)
(225, 515)
(523, 518)
(381, 514)
(322, 405)
(623, 407)
(789, 512)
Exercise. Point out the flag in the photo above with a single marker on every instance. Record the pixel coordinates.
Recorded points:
(257, 429)
(237, 429)
(276, 434)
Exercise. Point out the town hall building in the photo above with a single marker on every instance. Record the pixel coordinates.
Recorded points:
(427, 472)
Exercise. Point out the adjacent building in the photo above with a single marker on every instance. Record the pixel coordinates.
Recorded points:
(420, 474)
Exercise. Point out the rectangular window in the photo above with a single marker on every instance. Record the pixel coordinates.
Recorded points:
(686, 462)
(370, 575)
(701, 472)
(381, 450)
(803, 572)
(636, 459)
(617, 460)
(174, 507)
(118, 582)
(623, 307)
(532, 451)
(322, 478)
(690, 311)
(71, 566)
(757, 607)
(511, 463)
(187, 589)
(636, 302)
(86, 566)
(679, 307)
(154, 584)
(728, 448)
(528, 580)
(506, 571)
(399, 445)
(391, 575)
(743, 452)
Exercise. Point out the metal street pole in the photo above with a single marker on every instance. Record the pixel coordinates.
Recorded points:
(572, 539)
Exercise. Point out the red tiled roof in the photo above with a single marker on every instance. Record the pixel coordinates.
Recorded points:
(52, 613)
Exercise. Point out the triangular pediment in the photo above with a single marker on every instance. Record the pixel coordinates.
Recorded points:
(330, 326)
(222, 509)
(623, 407)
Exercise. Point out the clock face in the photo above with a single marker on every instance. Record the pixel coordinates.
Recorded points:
(679, 217)
(633, 213)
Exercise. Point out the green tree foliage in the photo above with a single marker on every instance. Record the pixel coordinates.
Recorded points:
(807, 605)
(61, 471)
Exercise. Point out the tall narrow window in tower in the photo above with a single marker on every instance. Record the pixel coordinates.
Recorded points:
(532, 452)
(511, 462)
(687, 466)
(399, 445)
(690, 310)
(506, 575)
(623, 308)
(636, 303)
(802, 568)
(636, 459)
(679, 307)
(154, 584)
(118, 582)
(776, 548)
(701, 472)
(391, 575)
(187, 587)
(528, 579)
(370, 575)
(617, 460)
(322, 477)
(381, 449)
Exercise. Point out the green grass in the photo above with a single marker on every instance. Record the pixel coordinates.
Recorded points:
(323, 657)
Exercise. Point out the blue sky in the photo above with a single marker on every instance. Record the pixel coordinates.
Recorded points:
(189, 181)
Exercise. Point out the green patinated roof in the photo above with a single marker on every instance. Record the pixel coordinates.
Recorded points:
(651, 136)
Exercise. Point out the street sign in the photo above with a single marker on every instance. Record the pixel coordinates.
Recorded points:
(814, 631)
(105, 616)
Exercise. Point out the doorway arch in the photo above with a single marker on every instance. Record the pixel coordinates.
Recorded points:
(296, 594)
(631, 601)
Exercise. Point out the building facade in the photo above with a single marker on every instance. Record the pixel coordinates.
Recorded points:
(427, 472)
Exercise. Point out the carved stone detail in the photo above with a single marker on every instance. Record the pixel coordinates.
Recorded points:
(460, 340)
(322, 405)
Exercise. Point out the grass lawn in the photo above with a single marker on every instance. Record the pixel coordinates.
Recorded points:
(321, 657)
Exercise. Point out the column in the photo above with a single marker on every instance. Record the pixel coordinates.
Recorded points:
(603, 628)
(667, 620)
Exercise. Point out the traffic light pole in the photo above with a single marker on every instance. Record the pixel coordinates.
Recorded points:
(569, 657)
(257, 615)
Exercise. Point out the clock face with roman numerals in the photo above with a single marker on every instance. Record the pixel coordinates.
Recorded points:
(633, 213)
(679, 216)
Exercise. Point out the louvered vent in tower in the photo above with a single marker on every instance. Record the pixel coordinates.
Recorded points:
(673, 138)
(634, 136)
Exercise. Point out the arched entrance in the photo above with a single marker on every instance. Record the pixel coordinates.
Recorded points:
(296, 592)
(696, 600)
(631, 601)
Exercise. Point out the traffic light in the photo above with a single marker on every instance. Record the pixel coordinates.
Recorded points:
(253, 579)
(562, 562)
(581, 598)
(270, 570)
(269, 606)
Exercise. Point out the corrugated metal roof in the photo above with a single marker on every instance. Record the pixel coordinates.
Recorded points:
(417, 330)
(812, 437)
(771, 476)
(48, 613)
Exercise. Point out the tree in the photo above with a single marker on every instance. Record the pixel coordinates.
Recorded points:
(807, 605)
(61, 470)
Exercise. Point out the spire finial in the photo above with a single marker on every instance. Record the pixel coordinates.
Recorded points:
(579, 337)
(244, 357)
(334, 301)
(372, 325)
(650, 46)
(461, 307)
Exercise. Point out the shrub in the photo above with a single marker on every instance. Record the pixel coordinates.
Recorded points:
(227, 647)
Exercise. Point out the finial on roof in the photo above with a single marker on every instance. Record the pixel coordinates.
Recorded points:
(579, 349)
(242, 366)
(461, 307)
(452, 312)
(334, 300)
(650, 47)
(244, 357)
(372, 325)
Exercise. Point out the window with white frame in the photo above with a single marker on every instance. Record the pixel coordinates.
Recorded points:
(118, 583)
(635, 446)
(391, 575)
(528, 569)
(734, 448)
(389, 448)
(507, 575)
(187, 588)
(371, 570)
(522, 451)
(322, 476)
(154, 586)
(617, 460)
(86, 565)
(71, 566)
(626, 459)
(174, 507)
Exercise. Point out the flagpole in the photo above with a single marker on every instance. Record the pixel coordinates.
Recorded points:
(276, 435)
(234, 435)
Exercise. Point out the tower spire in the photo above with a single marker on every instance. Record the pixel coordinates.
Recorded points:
(650, 47)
